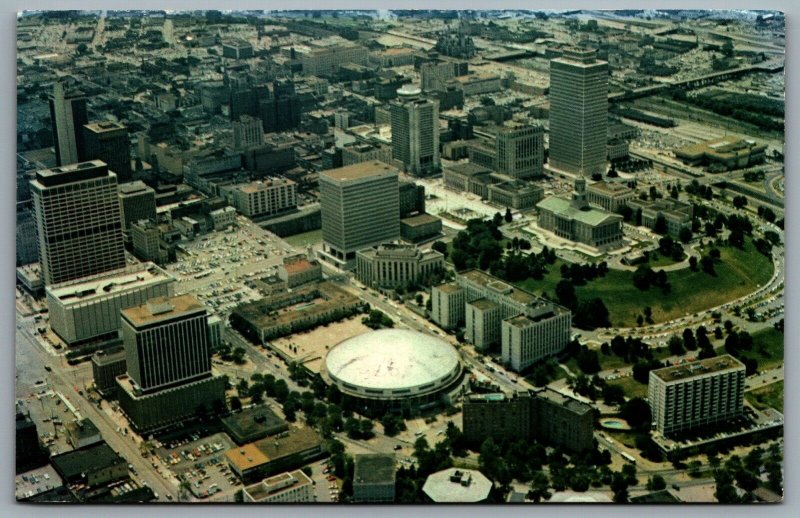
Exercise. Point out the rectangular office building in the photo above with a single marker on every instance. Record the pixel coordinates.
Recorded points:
(88, 309)
(696, 394)
(360, 208)
(78, 221)
(578, 113)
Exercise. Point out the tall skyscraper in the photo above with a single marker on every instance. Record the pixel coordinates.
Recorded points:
(360, 207)
(78, 221)
(415, 131)
(168, 361)
(108, 141)
(67, 117)
(520, 151)
(578, 112)
(166, 342)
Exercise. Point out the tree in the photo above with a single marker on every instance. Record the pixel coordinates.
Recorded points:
(418, 299)
(676, 345)
(689, 340)
(508, 216)
(660, 226)
(565, 293)
(685, 234)
(693, 263)
(440, 247)
(539, 489)
(613, 394)
(619, 485)
(637, 413)
(588, 361)
(656, 483)
(236, 404)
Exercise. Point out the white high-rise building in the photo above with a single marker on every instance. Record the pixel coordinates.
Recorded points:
(578, 113)
(696, 394)
(78, 221)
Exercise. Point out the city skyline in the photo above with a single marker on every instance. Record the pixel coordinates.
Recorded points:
(408, 257)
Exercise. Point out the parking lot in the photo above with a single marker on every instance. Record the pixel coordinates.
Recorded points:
(217, 267)
(201, 464)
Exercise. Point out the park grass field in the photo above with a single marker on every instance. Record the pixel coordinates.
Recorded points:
(770, 396)
(738, 273)
(767, 349)
(631, 387)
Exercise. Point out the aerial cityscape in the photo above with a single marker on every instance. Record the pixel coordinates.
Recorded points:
(409, 257)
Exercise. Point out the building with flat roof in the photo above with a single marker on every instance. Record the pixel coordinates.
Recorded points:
(247, 132)
(468, 177)
(325, 58)
(412, 198)
(727, 153)
(90, 467)
(609, 196)
(520, 151)
(676, 214)
(420, 227)
(298, 269)
(448, 305)
(358, 152)
(88, 309)
(253, 423)
(696, 394)
(106, 366)
(287, 487)
(528, 328)
(415, 132)
(391, 265)
(148, 245)
(264, 197)
(82, 433)
(237, 49)
(543, 414)
(108, 141)
(283, 314)
(578, 112)
(575, 220)
(78, 221)
(374, 478)
(286, 451)
(166, 341)
(360, 208)
(515, 194)
(137, 202)
(457, 486)
(168, 361)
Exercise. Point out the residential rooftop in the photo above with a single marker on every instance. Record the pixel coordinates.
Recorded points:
(374, 468)
(685, 371)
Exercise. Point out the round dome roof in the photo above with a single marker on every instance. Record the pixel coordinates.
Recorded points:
(392, 360)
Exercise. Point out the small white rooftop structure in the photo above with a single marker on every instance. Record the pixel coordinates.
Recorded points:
(456, 485)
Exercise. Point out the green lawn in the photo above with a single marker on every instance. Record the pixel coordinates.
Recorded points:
(767, 349)
(631, 387)
(662, 260)
(739, 273)
(770, 396)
